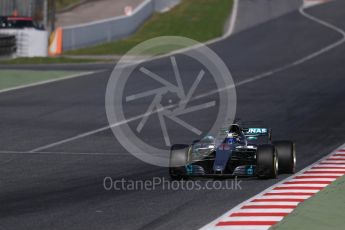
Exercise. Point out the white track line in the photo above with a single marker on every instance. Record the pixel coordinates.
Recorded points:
(244, 228)
(247, 81)
(65, 153)
(311, 3)
(302, 185)
(253, 204)
(50, 81)
(251, 218)
(286, 197)
(82, 135)
(310, 178)
(258, 210)
(232, 20)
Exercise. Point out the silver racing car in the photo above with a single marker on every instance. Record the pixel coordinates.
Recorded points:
(239, 151)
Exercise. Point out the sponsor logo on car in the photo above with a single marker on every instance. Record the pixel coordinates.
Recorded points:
(257, 131)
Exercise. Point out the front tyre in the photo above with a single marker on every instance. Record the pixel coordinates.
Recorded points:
(286, 156)
(266, 162)
(178, 160)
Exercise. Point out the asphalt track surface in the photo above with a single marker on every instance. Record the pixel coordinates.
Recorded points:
(62, 188)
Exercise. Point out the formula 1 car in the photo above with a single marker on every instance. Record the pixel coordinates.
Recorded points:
(239, 151)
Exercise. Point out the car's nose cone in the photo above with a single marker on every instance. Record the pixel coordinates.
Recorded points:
(222, 157)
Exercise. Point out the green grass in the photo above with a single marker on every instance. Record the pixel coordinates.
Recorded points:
(325, 210)
(62, 4)
(200, 20)
(14, 78)
(43, 60)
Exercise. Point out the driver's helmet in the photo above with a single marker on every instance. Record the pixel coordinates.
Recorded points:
(232, 138)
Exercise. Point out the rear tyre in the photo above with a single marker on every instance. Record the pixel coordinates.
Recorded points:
(178, 160)
(286, 156)
(266, 162)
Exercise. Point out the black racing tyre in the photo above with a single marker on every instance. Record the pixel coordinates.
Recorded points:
(178, 160)
(266, 162)
(286, 156)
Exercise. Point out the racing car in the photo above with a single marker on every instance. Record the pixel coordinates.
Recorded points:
(239, 151)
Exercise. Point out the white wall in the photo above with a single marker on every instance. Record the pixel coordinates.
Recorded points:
(112, 29)
(30, 42)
